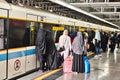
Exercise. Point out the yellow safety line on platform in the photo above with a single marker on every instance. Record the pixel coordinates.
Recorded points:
(47, 74)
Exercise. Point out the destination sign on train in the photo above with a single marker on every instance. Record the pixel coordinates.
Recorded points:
(58, 28)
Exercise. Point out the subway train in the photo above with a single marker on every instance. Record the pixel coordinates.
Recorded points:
(18, 29)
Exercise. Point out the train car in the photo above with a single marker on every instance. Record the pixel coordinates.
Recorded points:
(18, 29)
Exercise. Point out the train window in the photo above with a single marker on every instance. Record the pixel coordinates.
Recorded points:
(16, 33)
(40, 25)
(2, 36)
(48, 27)
(58, 31)
(30, 33)
(57, 34)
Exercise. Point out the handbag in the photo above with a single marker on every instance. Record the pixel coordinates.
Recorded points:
(60, 59)
(61, 49)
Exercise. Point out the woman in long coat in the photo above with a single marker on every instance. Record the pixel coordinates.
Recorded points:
(78, 48)
(97, 44)
(65, 41)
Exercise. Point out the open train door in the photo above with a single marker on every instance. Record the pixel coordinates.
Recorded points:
(3, 40)
(30, 50)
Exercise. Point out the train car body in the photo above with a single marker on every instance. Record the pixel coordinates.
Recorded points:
(17, 39)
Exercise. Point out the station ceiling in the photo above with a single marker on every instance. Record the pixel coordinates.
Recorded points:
(106, 9)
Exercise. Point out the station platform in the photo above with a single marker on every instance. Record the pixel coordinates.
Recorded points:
(103, 68)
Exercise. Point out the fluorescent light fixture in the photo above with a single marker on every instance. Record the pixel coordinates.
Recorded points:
(51, 10)
(81, 11)
(20, 4)
(36, 6)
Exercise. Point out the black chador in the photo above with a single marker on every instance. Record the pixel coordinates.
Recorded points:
(46, 50)
(51, 51)
(41, 48)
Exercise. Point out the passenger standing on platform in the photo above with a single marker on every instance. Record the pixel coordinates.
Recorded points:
(78, 50)
(86, 40)
(46, 50)
(91, 35)
(97, 44)
(104, 41)
(64, 40)
(51, 52)
(112, 42)
(41, 48)
(118, 39)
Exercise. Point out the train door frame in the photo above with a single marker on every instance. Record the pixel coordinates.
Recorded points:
(30, 59)
(4, 53)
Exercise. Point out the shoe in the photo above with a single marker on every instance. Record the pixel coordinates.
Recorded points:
(100, 55)
(96, 57)
(75, 73)
(40, 71)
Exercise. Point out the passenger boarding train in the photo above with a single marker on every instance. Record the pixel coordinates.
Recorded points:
(18, 29)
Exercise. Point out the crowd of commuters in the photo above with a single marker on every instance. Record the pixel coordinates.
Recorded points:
(79, 43)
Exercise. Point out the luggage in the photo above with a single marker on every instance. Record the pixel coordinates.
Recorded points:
(67, 64)
(87, 65)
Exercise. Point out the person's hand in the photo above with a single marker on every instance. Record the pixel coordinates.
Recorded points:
(71, 51)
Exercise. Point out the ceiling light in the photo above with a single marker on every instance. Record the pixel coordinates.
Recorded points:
(20, 4)
(37, 7)
(51, 10)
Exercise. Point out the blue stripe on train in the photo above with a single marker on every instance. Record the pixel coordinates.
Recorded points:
(17, 54)
(2, 57)
(30, 52)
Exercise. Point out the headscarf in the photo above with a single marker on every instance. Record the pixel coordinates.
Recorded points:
(73, 34)
(41, 41)
(63, 38)
(97, 35)
(78, 45)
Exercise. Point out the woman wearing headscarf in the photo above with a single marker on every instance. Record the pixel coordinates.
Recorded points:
(64, 40)
(97, 43)
(78, 48)
(41, 48)
(51, 51)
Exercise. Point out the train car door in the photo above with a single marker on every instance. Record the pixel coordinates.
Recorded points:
(40, 25)
(30, 50)
(3, 37)
(16, 48)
